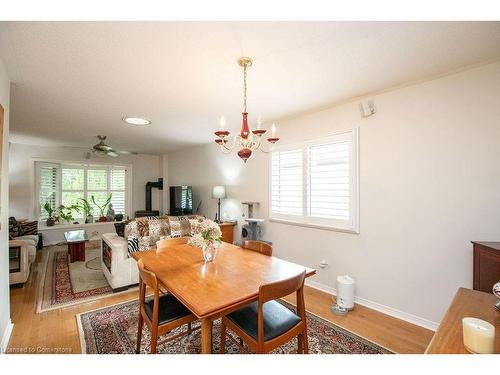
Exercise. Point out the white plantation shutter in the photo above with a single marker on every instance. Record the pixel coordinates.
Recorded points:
(329, 181)
(287, 182)
(118, 182)
(318, 183)
(48, 186)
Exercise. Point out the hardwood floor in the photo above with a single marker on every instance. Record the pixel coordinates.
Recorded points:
(394, 334)
(56, 331)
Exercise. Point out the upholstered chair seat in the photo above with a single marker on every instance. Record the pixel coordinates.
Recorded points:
(277, 319)
(170, 309)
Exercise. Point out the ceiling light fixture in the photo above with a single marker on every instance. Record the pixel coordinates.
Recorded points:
(247, 141)
(136, 120)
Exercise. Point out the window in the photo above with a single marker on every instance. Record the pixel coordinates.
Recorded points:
(48, 186)
(315, 183)
(66, 184)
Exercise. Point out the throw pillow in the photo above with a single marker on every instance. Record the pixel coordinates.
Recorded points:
(15, 229)
(29, 228)
(132, 244)
(120, 228)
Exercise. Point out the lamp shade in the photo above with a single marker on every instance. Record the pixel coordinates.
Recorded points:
(219, 192)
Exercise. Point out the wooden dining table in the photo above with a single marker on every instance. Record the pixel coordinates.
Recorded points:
(212, 290)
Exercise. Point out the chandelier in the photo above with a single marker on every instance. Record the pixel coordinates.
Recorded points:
(246, 141)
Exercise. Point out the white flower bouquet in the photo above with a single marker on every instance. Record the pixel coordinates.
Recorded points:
(208, 238)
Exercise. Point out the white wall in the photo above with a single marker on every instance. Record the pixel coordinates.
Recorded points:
(5, 323)
(144, 168)
(429, 181)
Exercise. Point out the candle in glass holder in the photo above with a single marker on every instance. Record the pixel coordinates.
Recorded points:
(479, 336)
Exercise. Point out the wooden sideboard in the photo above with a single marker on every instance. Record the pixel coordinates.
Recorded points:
(227, 232)
(486, 265)
(448, 338)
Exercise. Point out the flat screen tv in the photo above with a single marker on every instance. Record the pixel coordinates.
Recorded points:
(181, 200)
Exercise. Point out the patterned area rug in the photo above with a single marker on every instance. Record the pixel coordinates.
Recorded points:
(113, 329)
(64, 284)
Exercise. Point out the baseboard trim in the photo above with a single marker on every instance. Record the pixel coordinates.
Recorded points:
(422, 322)
(6, 337)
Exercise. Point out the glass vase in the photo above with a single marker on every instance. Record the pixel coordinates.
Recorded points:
(208, 253)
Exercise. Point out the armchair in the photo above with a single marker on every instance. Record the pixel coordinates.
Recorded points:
(19, 262)
(25, 230)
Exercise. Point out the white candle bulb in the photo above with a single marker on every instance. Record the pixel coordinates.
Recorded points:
(259, 123)
(222, 122)
(273, 129)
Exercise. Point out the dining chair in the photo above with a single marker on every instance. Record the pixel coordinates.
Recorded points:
(162, 313)
(258, 246)
(169, 242)
(267, 324)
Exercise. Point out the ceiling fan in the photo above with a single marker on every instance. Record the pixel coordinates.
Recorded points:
(102, 148)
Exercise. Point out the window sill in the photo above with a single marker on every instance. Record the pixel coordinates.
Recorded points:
(42, 227)
(315, 226)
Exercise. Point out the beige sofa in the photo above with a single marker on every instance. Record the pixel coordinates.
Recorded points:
(140, 234)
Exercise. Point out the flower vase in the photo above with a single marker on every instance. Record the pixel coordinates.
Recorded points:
(208, 253)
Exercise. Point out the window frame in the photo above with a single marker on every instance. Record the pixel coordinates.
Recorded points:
(305, 220)
(68, 164)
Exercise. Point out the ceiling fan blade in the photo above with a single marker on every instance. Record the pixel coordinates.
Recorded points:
(112, 153)
(126, 152)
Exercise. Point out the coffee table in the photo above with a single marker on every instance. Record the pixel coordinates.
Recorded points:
(76, 244)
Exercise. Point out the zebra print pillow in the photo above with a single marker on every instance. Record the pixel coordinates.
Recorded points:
(132, 244)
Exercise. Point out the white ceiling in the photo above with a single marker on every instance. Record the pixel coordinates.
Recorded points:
(74, 80)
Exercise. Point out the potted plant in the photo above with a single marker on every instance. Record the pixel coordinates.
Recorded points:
(50, 211)
(102, 208)
(87, 210)
(66, 212)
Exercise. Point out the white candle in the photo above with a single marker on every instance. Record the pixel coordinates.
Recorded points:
(273, 129)
(259, 123)
(222, 123)
(479, 336)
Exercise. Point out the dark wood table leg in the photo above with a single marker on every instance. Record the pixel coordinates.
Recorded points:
(206, 336)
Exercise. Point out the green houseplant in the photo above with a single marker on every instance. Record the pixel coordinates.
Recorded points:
(66, 212)
(87, 210)
(102, 208)
(50, 211)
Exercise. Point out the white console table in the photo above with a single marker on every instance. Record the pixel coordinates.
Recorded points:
(55, 234)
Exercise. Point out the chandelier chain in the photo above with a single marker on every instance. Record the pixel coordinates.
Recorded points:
(245, 88)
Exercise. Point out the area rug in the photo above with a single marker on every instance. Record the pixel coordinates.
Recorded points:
(65, 284)
(113, 330)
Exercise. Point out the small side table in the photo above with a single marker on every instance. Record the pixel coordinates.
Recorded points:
(227, 230)
(76, 245)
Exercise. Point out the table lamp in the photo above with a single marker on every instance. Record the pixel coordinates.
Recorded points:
(218, 192)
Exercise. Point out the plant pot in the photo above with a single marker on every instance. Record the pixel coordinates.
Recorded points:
(102, 219)
(89, 219)
(50, 222)
(119, 217)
